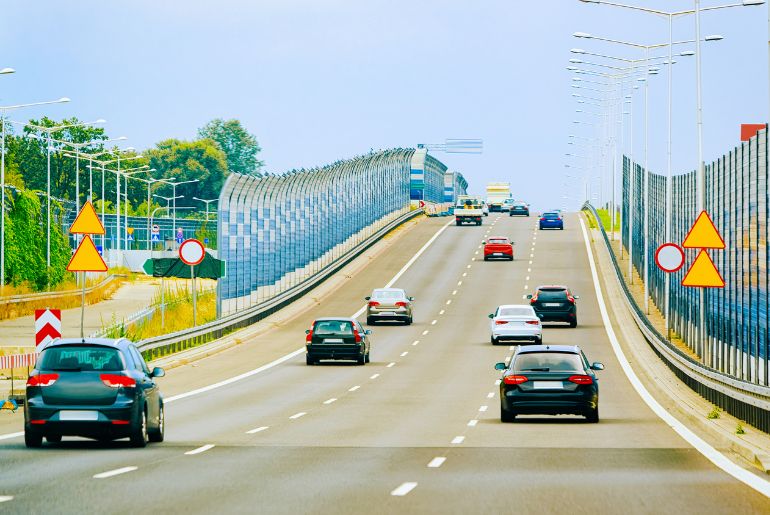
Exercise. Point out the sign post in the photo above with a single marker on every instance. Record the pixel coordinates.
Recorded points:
(86, 258)
(192, 252)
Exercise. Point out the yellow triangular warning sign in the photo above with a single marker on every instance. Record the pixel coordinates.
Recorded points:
(87, 222)
(703, 234)
(703, 273)
(86, 258)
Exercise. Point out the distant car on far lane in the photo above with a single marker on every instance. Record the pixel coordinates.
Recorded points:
(389, 304)
(337, 338)
(485, 209)
(498, 247)
(515, 322)
(507, 203)
(549, 380)
(519, 208)
(94, 388)
(551, 220)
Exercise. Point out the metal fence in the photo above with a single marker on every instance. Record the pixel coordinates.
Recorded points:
(736, 324)
(454, 185)
(277, 231)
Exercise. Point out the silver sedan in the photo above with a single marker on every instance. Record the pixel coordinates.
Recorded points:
(389, 304)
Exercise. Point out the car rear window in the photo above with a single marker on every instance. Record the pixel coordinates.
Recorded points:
(548, 362)
(551, 216)
(515, 312)
(80, 358)
(333, 327)
(552, 294)
(387, 295)
(498, 241)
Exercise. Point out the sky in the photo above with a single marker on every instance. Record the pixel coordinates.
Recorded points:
(320, 80)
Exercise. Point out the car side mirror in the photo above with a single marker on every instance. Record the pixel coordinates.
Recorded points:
(367, 298)
(500, 366)
(307, 331)
(483, 242)
(597, 366)
(529, 296)
(157, 372)
(576, 297)
(368, 331)
(411, 299)
(491, 315)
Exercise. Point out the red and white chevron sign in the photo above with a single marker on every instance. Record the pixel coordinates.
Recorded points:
(47, 325)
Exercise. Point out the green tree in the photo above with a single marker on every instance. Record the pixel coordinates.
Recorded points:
(240, 146)
(186, 161)
(25, 241)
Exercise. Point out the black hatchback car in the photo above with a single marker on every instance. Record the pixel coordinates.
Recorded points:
(93, 388)
(519, 208)
(549, 380)
(337, 338)
(555, 304)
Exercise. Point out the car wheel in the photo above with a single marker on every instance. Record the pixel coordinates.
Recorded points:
(458, 222)
(493, 340)
(362, 359)
(366, 358)
(53, 438)
(538, 341)
(486, 258)
(593, 415)
(408, 321)
(506, 416)
(33, 439)
(573, 323)
(511, 257)
(369, 321)
(139, 435)
(310, 361)
(157, 435)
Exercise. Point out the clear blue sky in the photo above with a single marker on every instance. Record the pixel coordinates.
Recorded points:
(319, 80)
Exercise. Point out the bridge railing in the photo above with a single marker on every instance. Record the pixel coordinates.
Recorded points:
(743, 399)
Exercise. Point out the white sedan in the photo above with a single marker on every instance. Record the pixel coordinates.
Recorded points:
(515, 322)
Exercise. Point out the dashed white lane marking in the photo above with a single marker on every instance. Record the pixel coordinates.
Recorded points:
(449, 302)
(425, 332)
(260, 429)
(472, 423)
(512, 347)
(415, 342)
(202, 448)
(479, 246)
(526, 287)
(116, 472)
(436, 462)
(441, 312)
(434, 322)
(713, 455)
(529, 270)
(497, 382)
(483, 408)
(523, 296)
(468, 266)
(527, 279)
(297, 415)
(458, 439)
(530, 262)
(404, 353)
(531, 255)
(490, 395)
(329, 401)
(404, 489)
(460, 283)
(374, 376)
(476, 253)
(354, 388)
(390, 365)
(465, 274)
(6, 498)
(454, 292)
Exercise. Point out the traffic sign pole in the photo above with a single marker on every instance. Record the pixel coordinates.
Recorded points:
(192, 252)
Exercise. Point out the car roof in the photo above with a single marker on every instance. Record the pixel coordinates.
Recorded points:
(400, 290)
(572, 349)
(335, 319)
(514, 306)
(105, 342)
(498, 238)
(552, 287)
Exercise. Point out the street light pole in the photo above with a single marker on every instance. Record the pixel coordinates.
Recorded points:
(700, 179)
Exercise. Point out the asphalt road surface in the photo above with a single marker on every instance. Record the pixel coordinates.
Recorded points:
(415, 431)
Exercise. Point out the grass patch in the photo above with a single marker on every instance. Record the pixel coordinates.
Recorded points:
(605, 218)
(739, 429)
(714, 413)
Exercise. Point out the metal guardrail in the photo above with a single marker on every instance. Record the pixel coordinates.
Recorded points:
(745, 400)
(174, 342)
(32, 297)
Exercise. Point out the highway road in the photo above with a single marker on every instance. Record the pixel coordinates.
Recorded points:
(415, 431)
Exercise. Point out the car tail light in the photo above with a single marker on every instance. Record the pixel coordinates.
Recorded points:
(357, 334)
(542, 219)
(533, 322)
(120, 422)
(373, 304)
(581, 379)
(309, 337)
(401, 304)
(37, 422)
(515, 379)
(117, 380)
(500, 322)
(533, 299)
(42, 379)
(571, 299)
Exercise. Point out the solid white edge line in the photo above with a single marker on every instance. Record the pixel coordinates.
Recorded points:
(110, 473)
(11, 435)
(697, 442)
(6, 498)
(403, 489)
(200, 449)
(292, 354)
(436, 462)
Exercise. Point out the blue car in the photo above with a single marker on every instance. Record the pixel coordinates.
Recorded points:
(551, 220)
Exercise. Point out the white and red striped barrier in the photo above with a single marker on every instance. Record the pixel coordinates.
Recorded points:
(47, 325)
(17, 361)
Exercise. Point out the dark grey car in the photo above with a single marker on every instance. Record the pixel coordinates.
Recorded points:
(337, 338)
(93, 388)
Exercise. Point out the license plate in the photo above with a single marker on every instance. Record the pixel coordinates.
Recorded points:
(387, 313)
(552, 304)
(497, 254)
(78, 415)
(548, 385)
(334, 340)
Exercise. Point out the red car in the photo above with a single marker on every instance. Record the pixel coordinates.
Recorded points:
(498, 247)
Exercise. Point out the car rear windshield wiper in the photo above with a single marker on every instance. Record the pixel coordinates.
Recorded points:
(543, 369)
